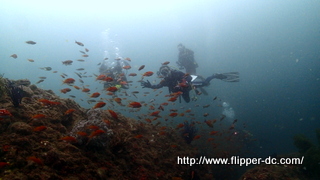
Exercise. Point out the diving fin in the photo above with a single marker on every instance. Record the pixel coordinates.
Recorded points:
(231, 77)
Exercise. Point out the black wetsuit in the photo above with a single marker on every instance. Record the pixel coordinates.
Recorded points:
(172, 82)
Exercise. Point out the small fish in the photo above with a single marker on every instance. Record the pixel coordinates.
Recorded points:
(67, 62)
(155, 113)
(80, 60)
(152, 100)
(80, 69)
(46, 68)
(196, 137)
(118, 59)
(69, 81)
(65, 90)
(42, 77)
(213, 132)
(205, 106)
(69, 111)
(126, 67)
(2, 164)
(79, 43)
(138, 136)
(148, 73)
(112, 89)
(141, 67)
(165, 63)
(31, 42)
(85, 55)
(113, 114)
(85, 90)
(35, 160)
(87, 50)
(39, 128)
(105, 58)
(68, 139)
(41, 80)
(99, 105)
(81, 133)
(206, 114)
(78, 74)
(82, 52)
(135, 105)
(72, 96)
(132, 74)
(179, 126)
(30, 60)
(95, 95)
(209, 123)
(4, 113)
(128, 59)
(96, 133)
(14, 56)
(38, 116)
(174, 114)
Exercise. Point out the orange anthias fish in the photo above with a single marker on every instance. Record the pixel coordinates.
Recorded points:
(81, 133)
(96, 133)
(65, 90)
(148, 73)
(113, 114)
(213, 132)
(35, 160)
(126, 67)
(118, 100)
(138, 136)
(112, 89)
(108, 79)
(69, 81)
(135, 105)
(4, 114)
(101, 77)
(85, 90)
(95, 95)
(46, 102)
(2, 164)
(209, 123)
(174, 114)
(180, 126)
(68, 139)
(155, 113)
(99, 105)
(39, 128)
(166, 63)
(196, 137)
(69, 111)
(172, 99)
(38, 116)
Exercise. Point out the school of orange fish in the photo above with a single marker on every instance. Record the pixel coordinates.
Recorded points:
(120, 100)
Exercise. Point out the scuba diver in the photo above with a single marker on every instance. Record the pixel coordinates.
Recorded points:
(178, 81)
(186, 60)
(114, 69)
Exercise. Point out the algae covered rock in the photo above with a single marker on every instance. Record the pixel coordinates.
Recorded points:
(302, 143)
(21, 128)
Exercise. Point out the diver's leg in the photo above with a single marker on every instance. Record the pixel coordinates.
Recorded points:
(186, 96)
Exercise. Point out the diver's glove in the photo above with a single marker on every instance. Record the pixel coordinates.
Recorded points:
(146, 84)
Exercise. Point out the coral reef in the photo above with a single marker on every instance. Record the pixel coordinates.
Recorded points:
(274, 172)
(36, 142)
